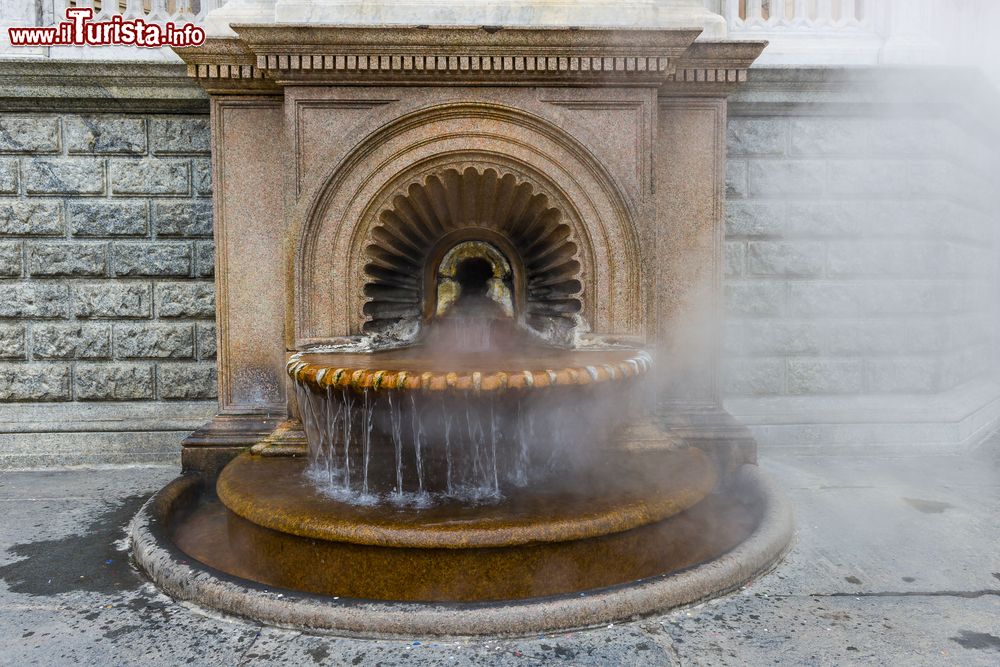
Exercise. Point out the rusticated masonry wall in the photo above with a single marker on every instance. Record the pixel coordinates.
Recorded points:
(106, 258)
(860, 256)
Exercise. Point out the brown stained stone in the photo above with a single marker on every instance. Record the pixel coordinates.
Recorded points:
(226, 542)
(626, 491)
(415, 369)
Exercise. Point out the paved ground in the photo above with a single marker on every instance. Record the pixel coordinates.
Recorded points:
(897, 561)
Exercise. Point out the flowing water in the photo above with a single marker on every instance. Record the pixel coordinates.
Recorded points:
(413, 447)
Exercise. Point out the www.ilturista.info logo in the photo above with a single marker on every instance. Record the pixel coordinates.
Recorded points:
(79, 30)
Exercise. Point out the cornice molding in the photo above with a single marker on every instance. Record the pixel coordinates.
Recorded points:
(265, 57)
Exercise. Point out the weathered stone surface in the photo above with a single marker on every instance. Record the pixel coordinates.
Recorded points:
(112, 300)
(71, 341)
(29, 134)
(33, 300)
(185, 300)
(113, 382)
(825, 376)
(8, 175)
(34, 382)
(149, 176)
(10, 258)
(736, 259)
(754, 377)
(12, 341)
(205, 259)
(825, 299)
(68, 175)
(206, 339)
(767, 258)
(31, 218)
(754, 218)
(67, 259)
(187, 381)
(108, 218)
(152, 259)
(755, 299)
(180, 135)
(870, 177)
(757, 136)
(830, 136)
(154, 341)
(887, 258)
(736, 178)
(904, 375)
(202, 173)
(105, 134)
(829, 219)
(183, 218)
(787, 177)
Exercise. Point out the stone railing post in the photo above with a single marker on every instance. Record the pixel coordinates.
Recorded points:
(908, 38)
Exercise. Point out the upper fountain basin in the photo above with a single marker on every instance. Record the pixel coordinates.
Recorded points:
(414, 369)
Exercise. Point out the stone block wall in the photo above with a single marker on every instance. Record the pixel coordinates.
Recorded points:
(106, 258)
(860, 256)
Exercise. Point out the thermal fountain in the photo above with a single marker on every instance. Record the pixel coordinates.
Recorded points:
(468, 285)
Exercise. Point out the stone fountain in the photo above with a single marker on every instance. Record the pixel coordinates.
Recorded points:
(468, 271)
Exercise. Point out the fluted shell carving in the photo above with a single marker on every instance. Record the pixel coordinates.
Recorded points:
(471, 202)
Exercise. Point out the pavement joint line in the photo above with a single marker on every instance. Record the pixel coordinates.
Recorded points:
(906, 594)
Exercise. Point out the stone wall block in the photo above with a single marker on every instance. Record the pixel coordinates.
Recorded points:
(774, 178)
(105, 134)
(34, 300)
(34, 382)
(183, 218)
(886, 258)
(206, 339)
(769, 258)
(753, 377)
(112, 300)
(903, 375)
(755, 299)
(825, 299)
(830, 219)
(29, 134)
(10, 259)
(827, 136)
(756, 218)
(154, 341)
(202, 175)
(12, 344)
(205, 259)
(187, 381)
(67, 175)
(152, 259)
(8, 176)
(114, 382)
(31, 218)
(68, 259)
(825, 376)
(736, 179)
(185, 300)
(869, 177)
(180, 135)
(108, 218)
(757, 136)
(150, 176)
(736, 259)
(71, 341)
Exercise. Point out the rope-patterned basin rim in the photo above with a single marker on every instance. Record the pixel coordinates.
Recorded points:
(323, 371)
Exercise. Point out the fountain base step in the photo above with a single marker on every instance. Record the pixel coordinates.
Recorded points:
(183, 540)
(624, 490)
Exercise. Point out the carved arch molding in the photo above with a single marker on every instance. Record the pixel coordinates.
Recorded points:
(577, 213)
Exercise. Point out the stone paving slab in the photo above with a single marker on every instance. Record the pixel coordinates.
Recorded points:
(896, 562)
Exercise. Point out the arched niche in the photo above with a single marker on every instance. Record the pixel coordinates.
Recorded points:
(331, 251)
